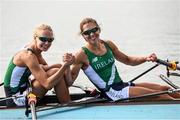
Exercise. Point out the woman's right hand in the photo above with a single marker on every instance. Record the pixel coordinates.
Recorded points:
(68, 58)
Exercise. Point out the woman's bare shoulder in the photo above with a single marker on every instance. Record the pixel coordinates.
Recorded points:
(80, 54)
(24, 56)
(111, 44)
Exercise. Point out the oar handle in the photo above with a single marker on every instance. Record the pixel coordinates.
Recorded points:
(1, 84)
(167, 64)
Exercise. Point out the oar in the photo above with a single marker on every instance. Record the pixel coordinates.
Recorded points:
(174, 74)
(168, 64)
(165, 79)
(1, 84)
(151, 68)
(31, 102)
(12, 97)
(159, 61)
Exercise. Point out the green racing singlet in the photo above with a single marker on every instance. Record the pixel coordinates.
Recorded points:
(102, 70)
(16, 76)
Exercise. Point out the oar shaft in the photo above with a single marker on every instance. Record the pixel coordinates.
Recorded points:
(144, 73)
(31, 102)
(12, 97)
(174, 74)
(1, 84)
(4, 99)
(33, 111)
(166, 63)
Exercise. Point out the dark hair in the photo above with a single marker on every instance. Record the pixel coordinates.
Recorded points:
(87, 20)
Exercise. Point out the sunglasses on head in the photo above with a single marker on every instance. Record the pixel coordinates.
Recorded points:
(88, 32)
(45, 39)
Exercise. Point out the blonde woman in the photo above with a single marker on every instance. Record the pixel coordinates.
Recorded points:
(29, 61)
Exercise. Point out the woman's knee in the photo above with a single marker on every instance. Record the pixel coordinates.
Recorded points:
(38, 89)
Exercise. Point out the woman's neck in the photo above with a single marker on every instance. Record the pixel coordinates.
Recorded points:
(35, 49)
(98, 48)
(94, 46)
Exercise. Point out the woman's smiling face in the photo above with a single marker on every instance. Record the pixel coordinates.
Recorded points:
(44, 39)
(90, 32)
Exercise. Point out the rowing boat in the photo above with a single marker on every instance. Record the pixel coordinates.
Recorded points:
(88, 107)
(85, 106)
(100, 110)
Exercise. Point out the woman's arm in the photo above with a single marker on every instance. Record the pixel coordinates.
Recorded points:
(129, 60)
(40, 74)
(48, 67)
(80, 57)
(68, 76)
(44, 64)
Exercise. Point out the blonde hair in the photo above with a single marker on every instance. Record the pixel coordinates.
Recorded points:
(88, 20)
(41, 27)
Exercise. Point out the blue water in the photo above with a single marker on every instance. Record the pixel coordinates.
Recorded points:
(137, 27)
(122, 112)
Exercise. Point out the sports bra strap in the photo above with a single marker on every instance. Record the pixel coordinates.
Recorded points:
(30, 49)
